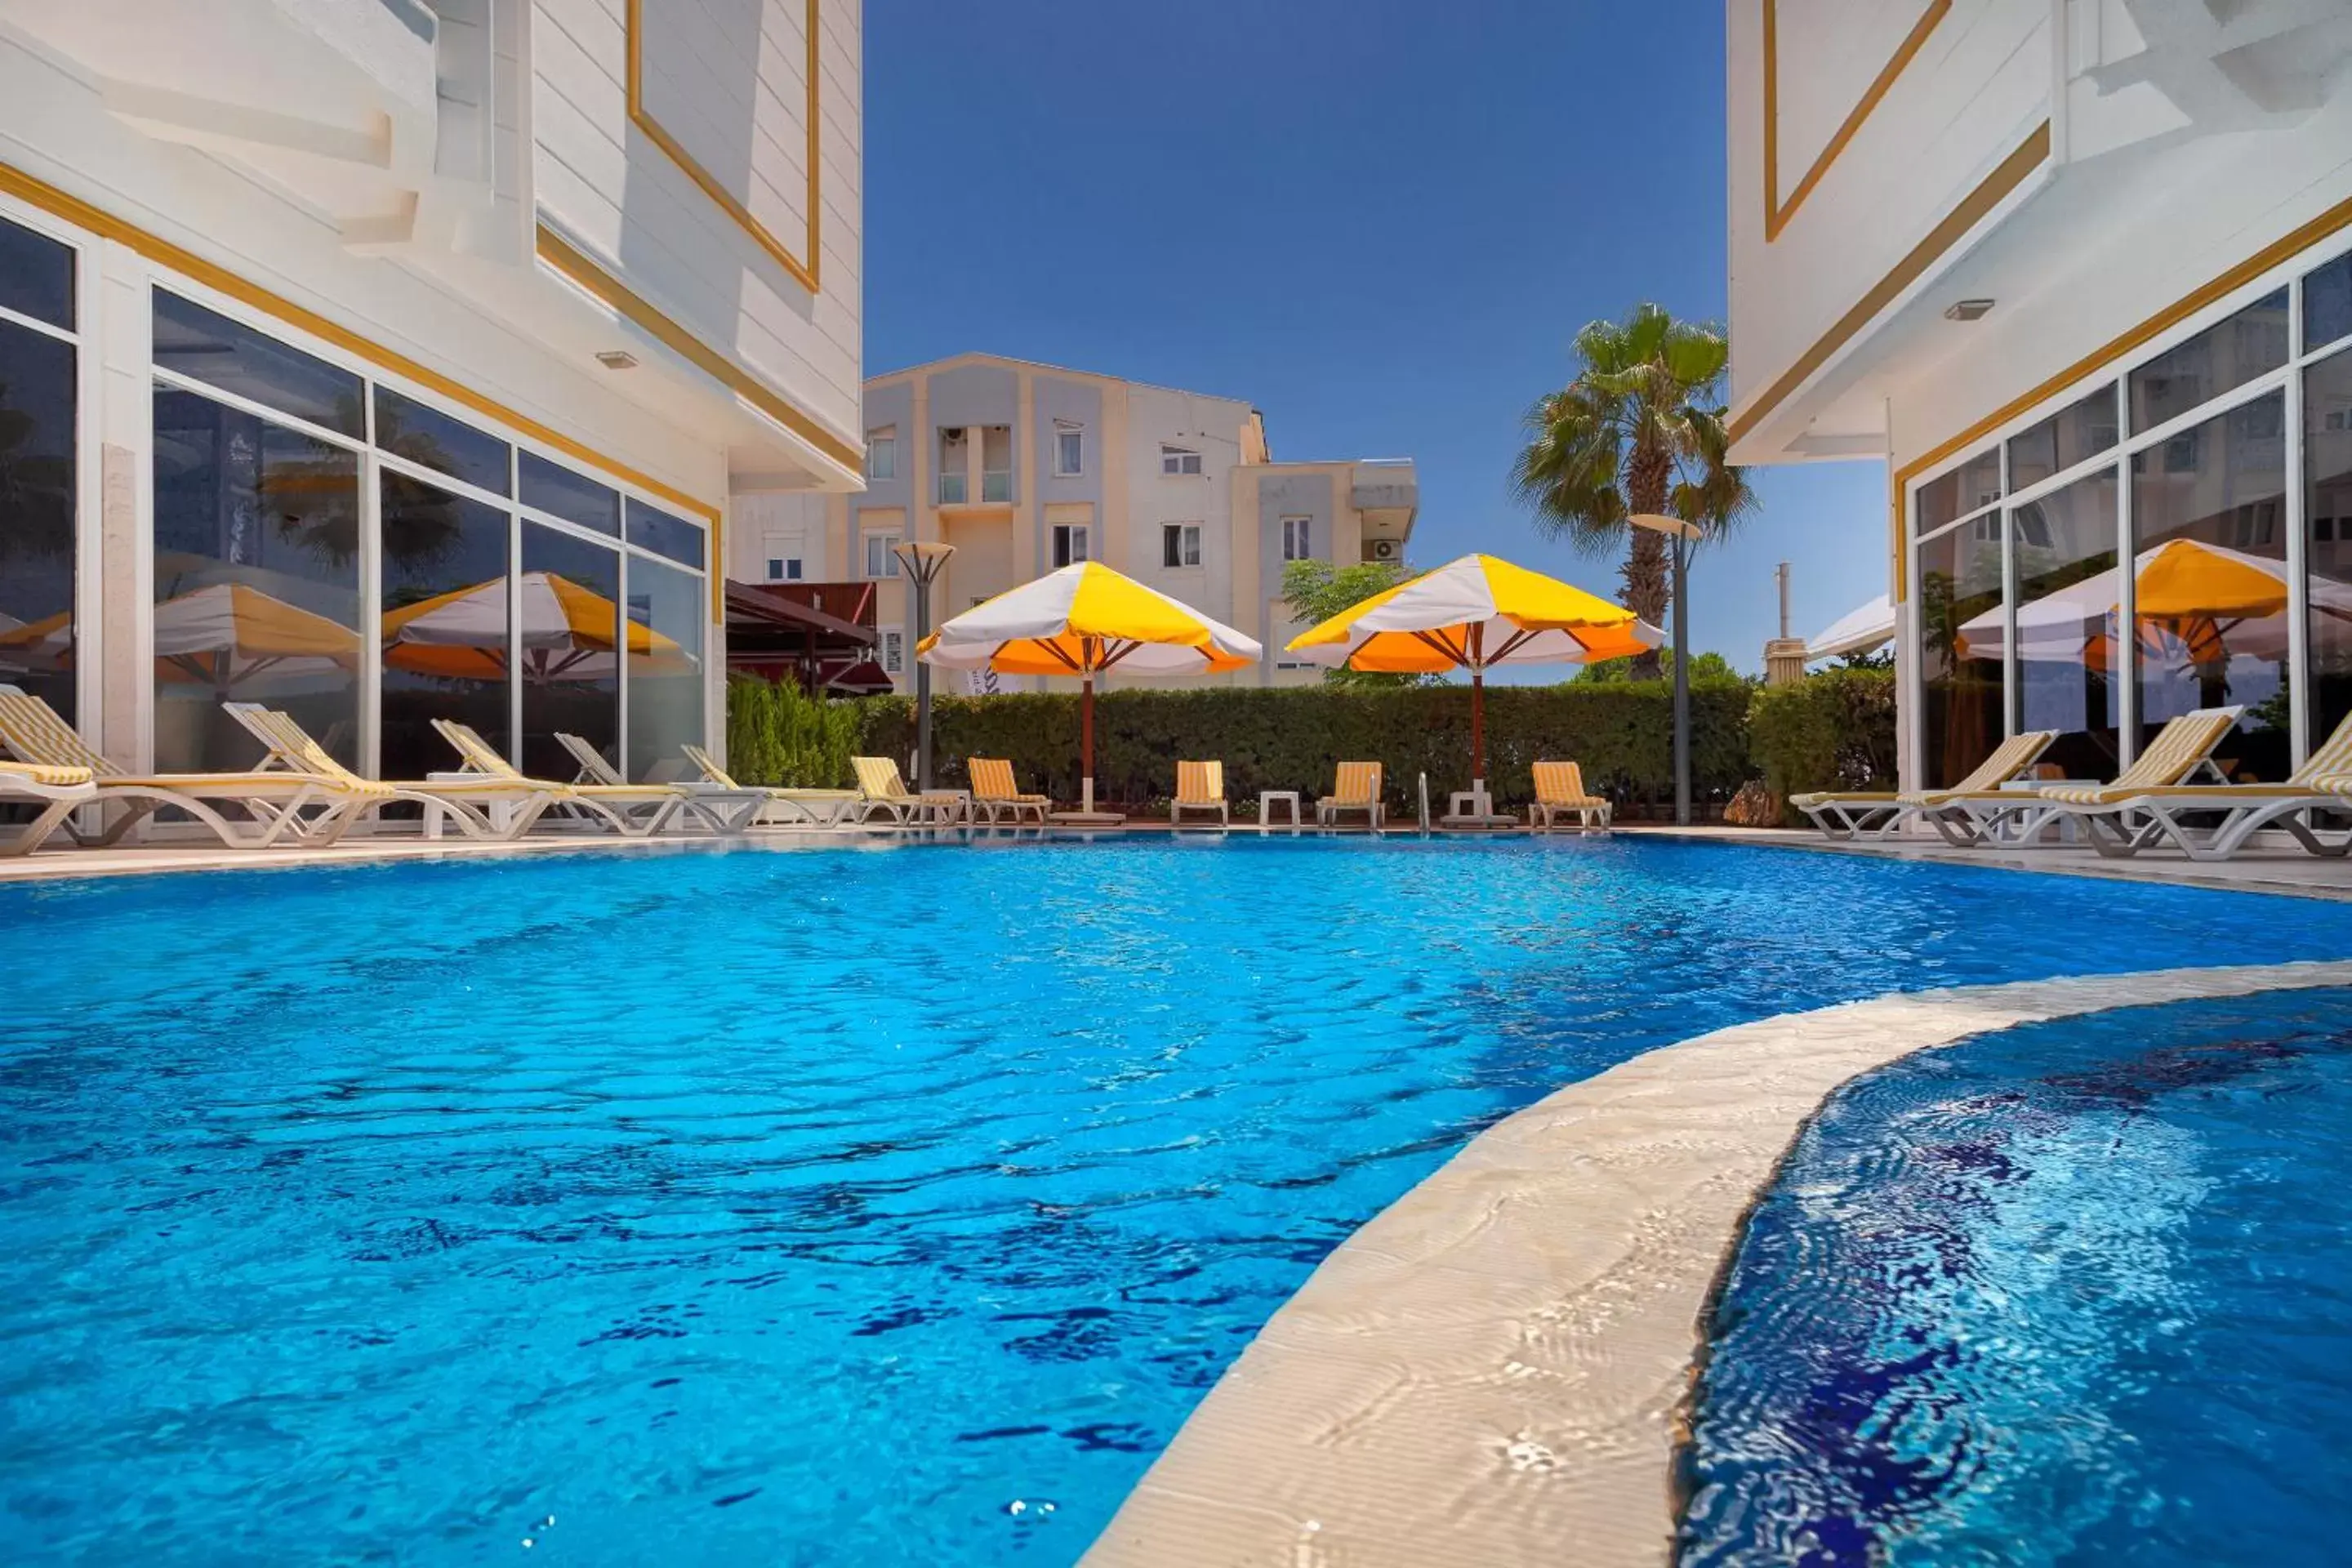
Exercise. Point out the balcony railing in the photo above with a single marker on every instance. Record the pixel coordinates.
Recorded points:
(996, 488)
(954, 488)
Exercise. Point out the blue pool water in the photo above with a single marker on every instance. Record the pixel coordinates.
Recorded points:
(860, 1207)
(2072, 1293)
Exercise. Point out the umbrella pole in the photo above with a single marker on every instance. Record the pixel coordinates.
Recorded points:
(1087, 743)
(1478, 736)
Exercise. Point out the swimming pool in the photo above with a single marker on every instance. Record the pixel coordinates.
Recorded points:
(2070, 1292)
(880, 1207)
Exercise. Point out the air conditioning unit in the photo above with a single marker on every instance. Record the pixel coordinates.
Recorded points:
(1382, 550)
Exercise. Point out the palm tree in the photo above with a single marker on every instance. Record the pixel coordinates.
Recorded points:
(1639, 430)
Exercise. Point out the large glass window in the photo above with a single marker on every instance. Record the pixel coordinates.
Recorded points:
(36, 277)
(2328, 304)
(446, 652)
(2068, 591)
(570, 630)
(2327, 515)
(557, 491)
(37, 510)
(432, 439)
(654, 529)
(666, 670)
(2225, 355)
(2074, 435)
(1975, 483)
(256, 583)
(2208, 512)
(205, 345)
(1961, 631)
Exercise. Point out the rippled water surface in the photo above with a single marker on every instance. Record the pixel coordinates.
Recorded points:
(829, 1206)
(2078, 1292)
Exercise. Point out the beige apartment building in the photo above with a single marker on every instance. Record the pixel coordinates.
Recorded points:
(1024, 467)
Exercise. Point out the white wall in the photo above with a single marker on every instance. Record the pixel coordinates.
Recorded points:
(728, 82)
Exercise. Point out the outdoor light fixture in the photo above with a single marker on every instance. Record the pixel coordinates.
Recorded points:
(1967, 310)
(617, 359)
(924, 560)
(1684, 534)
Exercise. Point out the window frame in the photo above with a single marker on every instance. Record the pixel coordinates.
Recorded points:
(2286, 378)
(1180, 540)
(1065, 431)
(1061, 536)
(889, 539)
(882, 440)
(1179, 456)
(1303, 540)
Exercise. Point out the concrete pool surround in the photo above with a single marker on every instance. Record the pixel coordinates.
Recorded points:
(1497, 1369)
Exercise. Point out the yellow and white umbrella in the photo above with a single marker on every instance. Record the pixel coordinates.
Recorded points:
(1472, 614)
(568, 633)
(1082, 620)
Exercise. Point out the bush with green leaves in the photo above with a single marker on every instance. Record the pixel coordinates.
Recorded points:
(1292, 738)
(1833, 729)
(778, 734)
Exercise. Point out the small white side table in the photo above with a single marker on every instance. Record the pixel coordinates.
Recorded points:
(1266, 799)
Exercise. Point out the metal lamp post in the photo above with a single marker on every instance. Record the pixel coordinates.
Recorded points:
(924, 560)
(1684, 535)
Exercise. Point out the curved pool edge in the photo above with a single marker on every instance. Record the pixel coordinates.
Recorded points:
(1497, 1368)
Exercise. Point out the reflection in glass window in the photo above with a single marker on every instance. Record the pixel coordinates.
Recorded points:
(37, 276)
(557, 491)
(1975, 483)
(37, 514)
(444, 623)
(2228, 354)
(2327, 305)
(2327, 516)
(432, 439)
(2075, 434)
(256, 583)
(2209, 593)
(2066, 595)
(665, 535)
(666, 683)
(206, 346)
(1961, 625)
(570, 630)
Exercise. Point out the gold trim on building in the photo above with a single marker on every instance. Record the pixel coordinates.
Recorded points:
(1777, 213)
(153, 248)
(802, 272)
(2284, 249)
(2030, 155)
(584, 270)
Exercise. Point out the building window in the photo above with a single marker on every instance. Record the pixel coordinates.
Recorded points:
(1297, 539)
(894, 651)
(881, 556)
(1070, 542)
(1069, 451)
(40, 382)
(1179, 544)
(1179, 461)
(955, 483)
(997, 463)
(882, 453)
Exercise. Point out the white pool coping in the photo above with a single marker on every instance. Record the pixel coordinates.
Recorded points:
(1495, 1371)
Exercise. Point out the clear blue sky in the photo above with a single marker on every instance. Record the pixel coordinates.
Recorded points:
(1379, 222)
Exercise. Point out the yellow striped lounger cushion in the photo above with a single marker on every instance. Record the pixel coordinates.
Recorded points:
(1199, 784)
(1359, 784)
(47, 774)
(31, 728)
(1562, 783)
(2175, 752)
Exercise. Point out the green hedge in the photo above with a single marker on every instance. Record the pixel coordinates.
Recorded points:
(1831, 731)
(778, 735)
(1291, 737)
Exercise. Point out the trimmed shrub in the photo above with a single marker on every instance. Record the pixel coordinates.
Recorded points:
(778, 734)
(1291, 737)
(1831, 731)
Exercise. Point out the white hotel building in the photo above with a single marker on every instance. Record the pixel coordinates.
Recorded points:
(2081, 271)
(385, 360)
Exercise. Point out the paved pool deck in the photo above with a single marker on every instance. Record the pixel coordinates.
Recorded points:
(2270, 869)
(1496, 1371)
